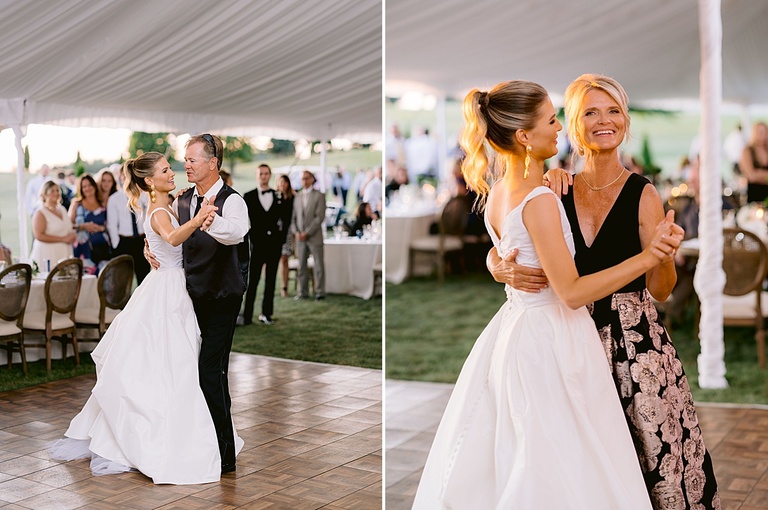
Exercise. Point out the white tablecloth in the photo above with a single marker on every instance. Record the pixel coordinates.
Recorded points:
(400, 229)
(349, 265)
(89, 297)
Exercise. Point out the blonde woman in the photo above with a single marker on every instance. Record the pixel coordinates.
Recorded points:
(534, 420)
(52, 229)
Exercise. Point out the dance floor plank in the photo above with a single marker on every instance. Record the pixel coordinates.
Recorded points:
(312, 440)
(736, 436)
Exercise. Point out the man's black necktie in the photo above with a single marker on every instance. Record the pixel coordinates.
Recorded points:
(197, 207)
(133, 223)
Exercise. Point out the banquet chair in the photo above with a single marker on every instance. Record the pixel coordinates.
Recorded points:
(57, 322)
(15, 282)
(293, 268)
(745, 262)
(449, 239)
(114, 285)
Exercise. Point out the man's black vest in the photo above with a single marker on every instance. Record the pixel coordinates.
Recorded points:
(213, 270)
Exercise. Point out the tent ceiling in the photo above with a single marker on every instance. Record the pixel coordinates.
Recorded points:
(651, 47)
(272, 67)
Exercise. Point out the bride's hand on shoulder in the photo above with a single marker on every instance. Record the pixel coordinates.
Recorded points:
(558, 180)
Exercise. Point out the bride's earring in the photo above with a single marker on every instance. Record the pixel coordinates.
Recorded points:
(152, 196)
(528, 150)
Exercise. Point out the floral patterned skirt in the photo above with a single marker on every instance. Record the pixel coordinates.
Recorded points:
(657, 402)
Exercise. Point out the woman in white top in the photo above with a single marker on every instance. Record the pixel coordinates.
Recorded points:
(52, 229)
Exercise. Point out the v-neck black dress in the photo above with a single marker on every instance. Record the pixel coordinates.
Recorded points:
(649, 376)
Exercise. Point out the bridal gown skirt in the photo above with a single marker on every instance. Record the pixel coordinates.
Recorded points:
(534, 421)
(146, 410)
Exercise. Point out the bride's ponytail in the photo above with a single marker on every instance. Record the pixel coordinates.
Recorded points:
(135, 171)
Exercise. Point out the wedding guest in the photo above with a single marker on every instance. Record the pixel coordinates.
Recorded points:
(618, 212)
(226, 177)
(363, 217)
(34, 185)
(308, 229)
(89, 216)
(107, 183)
(52, 229)
(373, 192)
(126, 230)
(754, 163)
(286, 251)
(270, 219)
(400, 179)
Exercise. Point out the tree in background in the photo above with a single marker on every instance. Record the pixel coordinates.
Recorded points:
(651, 169)
(237, 149)
(26, 158)
(79, 165)
(280, 146)
(142, 142)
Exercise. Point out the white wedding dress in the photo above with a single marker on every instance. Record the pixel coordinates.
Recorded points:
(147, 410)
(534, 421)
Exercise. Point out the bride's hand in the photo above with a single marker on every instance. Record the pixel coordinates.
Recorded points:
(204, 217)
(558, 181)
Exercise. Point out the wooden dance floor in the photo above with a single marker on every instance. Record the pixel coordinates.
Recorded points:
(736, 436)
(312, 440)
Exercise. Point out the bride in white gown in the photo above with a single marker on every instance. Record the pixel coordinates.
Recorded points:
(534, 421)
(147, 410)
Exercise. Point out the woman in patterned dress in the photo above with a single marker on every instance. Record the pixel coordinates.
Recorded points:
(612, 213)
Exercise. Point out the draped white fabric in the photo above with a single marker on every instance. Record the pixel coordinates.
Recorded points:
(281, 68)
(651, 47)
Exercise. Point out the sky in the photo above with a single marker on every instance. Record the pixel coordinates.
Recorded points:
(58, 146)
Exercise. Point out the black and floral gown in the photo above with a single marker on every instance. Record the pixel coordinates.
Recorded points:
(649, 376)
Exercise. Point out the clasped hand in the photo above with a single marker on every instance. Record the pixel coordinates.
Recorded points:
(667, 238)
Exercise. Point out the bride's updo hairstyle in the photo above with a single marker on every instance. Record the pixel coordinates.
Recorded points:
(135, 171)
(574, 101)
(495, 116)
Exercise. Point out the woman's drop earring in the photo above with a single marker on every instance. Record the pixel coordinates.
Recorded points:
(528, 150)
(152, 196)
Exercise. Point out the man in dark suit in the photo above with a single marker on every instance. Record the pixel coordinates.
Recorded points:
(270, 219)
(308, 227)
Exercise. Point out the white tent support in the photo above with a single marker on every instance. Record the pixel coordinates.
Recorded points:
(323, 165)
(443, 173)
(21, 204)
(709, 280)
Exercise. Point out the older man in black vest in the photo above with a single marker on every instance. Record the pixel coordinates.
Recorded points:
(216, 266)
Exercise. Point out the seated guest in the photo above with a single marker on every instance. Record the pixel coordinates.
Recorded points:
(754, 163)
(399, 179)
(52, 229)
(89, 216)
(364, 217)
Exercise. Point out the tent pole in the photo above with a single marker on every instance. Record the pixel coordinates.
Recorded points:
(709, 280)
(443, 177)
(18, 132)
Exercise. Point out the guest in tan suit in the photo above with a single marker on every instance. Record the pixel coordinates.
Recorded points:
(308, 227)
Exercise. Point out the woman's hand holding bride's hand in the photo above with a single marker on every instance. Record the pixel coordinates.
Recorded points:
(558, 180)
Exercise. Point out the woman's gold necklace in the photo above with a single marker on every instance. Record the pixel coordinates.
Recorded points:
(621, 172)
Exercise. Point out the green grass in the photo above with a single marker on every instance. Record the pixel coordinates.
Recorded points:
(13, 378)
(340, 330)
(431, 329)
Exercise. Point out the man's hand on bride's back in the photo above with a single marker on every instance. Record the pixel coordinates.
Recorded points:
(150, 258)
(527, 279)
